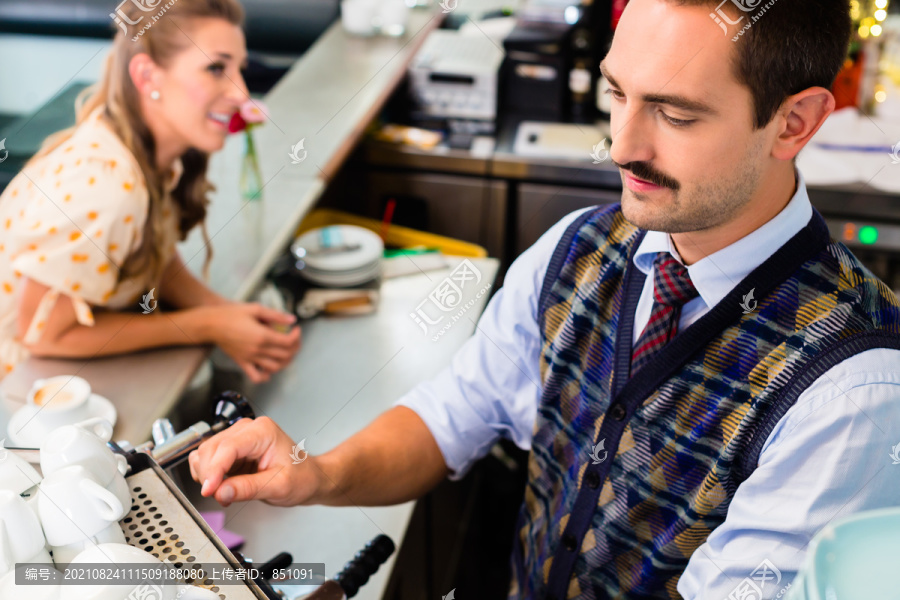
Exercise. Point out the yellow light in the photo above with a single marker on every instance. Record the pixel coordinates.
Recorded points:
(880, 96)
(881, 3)
(880, 14)
(863, 31)
(876, 30)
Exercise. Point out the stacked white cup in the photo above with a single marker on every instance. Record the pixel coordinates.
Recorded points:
(21, 537)
(84, 493)
(123, 554)
(19, 477)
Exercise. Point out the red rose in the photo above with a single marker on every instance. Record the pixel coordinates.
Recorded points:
(237, 123)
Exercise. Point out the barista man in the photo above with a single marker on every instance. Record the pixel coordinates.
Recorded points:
(740, 368)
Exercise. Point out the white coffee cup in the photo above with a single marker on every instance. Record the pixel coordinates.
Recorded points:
(393, 16)
(64, 555)
(60, 400)
(16, 474)
(21, 537)
(83, 444)
(118, 486)
(10, 591)
(125, 554)
(359, 16)
(74, 506)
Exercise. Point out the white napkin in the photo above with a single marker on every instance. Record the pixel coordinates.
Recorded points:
(847, 127)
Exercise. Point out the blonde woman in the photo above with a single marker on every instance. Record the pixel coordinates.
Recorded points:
(91, 222)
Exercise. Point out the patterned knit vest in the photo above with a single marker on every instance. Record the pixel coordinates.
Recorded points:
(628, 477)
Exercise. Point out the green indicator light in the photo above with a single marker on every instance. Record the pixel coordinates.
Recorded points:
(868, 234)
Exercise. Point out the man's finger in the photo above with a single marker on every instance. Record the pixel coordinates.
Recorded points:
(192, 460)
(241, 488)
(229, 449)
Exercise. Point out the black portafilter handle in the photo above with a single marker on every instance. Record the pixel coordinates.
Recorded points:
(280, 561)
(356, 573)
(230, 407)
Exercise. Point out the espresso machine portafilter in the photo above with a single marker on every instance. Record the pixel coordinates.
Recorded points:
(169, 449)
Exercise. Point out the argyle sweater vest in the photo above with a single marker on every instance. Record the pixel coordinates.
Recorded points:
(627, 477)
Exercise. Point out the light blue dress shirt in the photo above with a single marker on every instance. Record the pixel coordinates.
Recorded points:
(828, 457)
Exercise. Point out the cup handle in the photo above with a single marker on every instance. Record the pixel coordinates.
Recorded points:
(110, 506)
(121, 464)
(35, 386)
(98, 426)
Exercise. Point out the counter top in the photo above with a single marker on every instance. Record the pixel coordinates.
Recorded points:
(500, 161)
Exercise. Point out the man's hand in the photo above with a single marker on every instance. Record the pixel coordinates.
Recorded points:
(251, 460)
(394, 459)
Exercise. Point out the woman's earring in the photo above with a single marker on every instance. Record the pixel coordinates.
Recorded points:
(154, 94)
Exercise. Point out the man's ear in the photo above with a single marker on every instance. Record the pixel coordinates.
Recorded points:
(143, 72)
(803, 114)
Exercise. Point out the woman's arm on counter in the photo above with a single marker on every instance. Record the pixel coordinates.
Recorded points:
(394, 459)
(180, 288)
(241, 330)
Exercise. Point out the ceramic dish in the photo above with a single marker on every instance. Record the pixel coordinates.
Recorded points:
(33, 431)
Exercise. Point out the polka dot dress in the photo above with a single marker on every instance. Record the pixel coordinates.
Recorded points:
(69, 221)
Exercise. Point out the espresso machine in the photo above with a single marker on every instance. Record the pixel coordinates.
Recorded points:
(158, 500)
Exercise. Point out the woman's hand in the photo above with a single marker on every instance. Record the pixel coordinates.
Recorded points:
(245, 333)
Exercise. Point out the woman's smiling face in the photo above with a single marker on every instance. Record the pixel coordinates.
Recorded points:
(199, 90)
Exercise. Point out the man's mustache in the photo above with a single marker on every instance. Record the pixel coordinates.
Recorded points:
(643, 170)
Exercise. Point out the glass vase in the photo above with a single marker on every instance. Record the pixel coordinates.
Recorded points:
(251, 176)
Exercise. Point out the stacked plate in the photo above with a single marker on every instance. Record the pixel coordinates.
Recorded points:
(339, 255)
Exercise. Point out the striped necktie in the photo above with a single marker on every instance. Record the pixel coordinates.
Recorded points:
(672, 287)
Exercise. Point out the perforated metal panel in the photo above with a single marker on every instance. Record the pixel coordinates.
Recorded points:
(158, 523)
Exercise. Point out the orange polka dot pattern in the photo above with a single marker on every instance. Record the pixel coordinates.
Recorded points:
(69, 221)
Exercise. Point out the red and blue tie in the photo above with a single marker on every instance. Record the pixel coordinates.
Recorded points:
(672, 288)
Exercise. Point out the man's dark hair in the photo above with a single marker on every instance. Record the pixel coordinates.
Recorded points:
(793, 45)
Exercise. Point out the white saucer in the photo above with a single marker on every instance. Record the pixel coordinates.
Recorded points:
(34, 433)
(363, 248)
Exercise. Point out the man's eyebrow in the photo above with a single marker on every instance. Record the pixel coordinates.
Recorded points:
(668, 99)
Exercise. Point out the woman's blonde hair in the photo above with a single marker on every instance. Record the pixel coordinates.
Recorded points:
(162, 40)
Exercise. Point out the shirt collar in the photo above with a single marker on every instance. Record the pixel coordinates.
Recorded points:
(718, 273)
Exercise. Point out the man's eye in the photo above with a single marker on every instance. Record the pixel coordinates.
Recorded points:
(614, 93)
(677, 122)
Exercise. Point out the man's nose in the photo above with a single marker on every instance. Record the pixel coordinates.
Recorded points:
(632, 135)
